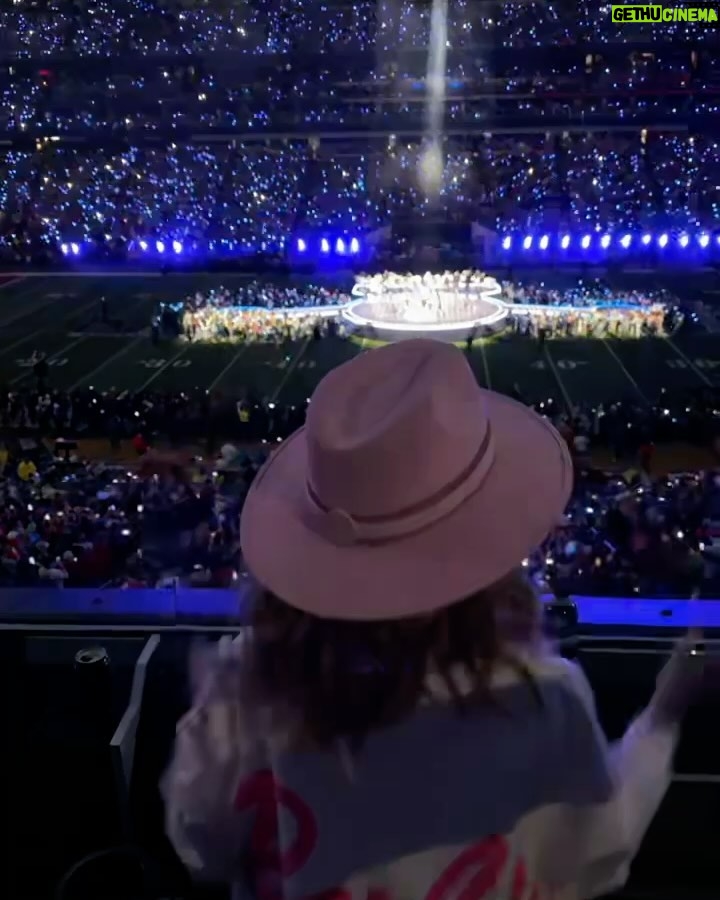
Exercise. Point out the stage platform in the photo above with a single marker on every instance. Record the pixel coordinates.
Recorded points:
(412, 307)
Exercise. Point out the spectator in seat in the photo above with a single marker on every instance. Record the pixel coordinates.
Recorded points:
(394, 726)
(140, 445)
(26, 470)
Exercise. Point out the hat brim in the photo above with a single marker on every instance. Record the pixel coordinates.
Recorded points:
(520, 501)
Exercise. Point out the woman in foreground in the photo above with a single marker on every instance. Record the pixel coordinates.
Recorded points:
(393, 727)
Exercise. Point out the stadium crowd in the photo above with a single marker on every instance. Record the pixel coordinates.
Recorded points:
(176, 97)
(70, 522)
(174, 27)
(123, 193)
(251, 198)
(630, 534)
(67, 521)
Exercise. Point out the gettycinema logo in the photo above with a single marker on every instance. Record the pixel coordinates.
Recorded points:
(701, 14)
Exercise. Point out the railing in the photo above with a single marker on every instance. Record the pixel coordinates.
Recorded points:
(186, 609)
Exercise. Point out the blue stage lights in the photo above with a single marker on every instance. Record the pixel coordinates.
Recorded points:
(603, 245)
(332, 248)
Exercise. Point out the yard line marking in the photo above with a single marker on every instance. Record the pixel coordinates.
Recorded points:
(23, 340)
(78, 312)
(691, 365)
(162, 369)
(100, 274)
(15, 279)
(624, 370)
(33, 310)
(25, 312)
(57, 355)
(226, 369)
(35, 335)
(560, 384)
(290, 369)
(486, 367)
(121, 352)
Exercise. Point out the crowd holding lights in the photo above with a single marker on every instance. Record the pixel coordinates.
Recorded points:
(70, 522)
(75, 523)
(623, 193)
(615, 192)
(194, 96)
(170, 26)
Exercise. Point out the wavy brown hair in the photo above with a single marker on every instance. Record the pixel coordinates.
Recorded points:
(342, 680)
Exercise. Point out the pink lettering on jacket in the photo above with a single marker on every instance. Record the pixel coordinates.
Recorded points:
(474, 873)
(519, 882)
(342, 894)
(264, 795)
(332, 894)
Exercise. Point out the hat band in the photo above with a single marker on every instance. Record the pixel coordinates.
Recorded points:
(343, 529)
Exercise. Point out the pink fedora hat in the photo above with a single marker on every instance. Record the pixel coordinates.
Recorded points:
(408, 489)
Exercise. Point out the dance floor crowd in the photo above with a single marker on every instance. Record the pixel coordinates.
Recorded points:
(270, 312)
(258, 311)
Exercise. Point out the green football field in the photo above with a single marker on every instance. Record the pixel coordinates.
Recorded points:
(59, 315)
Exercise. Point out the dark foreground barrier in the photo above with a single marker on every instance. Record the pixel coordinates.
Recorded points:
(90, 703)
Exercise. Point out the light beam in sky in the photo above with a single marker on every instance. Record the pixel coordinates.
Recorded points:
(430, 167)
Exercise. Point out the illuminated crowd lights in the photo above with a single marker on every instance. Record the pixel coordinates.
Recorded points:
(607, 243)
(341, 246)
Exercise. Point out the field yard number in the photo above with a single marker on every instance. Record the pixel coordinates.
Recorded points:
(159, 363)
(567, 365)
(698, 363)
(285, 364)
(54, 363)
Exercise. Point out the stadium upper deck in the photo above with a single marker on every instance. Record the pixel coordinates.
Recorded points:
(118, 27)
(144, 121)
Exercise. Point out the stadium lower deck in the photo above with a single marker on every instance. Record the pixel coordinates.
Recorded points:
(59, 315)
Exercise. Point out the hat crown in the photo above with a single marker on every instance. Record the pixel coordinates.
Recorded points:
(393, 427)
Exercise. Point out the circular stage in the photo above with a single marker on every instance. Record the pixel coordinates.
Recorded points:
(445, 307)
